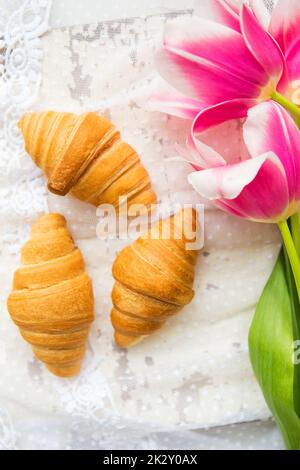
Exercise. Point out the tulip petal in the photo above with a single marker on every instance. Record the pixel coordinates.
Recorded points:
(221, 204)
(167, 99)
(293, 66)
(262, 45)
(199, 155)
(269, 128)
(225, 12)
(255, 189)
(210, 147)
(219, 113)
(284, 25)
(261, 12)
(209, 62)
(203, 155)
(227, 182)
(227, 141)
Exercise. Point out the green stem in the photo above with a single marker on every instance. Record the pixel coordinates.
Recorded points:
(291, 251)
(294, 221)
(287, 104)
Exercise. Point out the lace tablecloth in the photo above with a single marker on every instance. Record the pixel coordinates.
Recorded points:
(195, 372)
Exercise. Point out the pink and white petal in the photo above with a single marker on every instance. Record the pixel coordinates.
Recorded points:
(191, 156)
(225, 206)
(222, 11)
(221, 128)
(269, 128)
(205, 156)
(203, 81)
(222, 112)
(283, 86)
(227, 182)
(293, 64)
(285, 28)
(168, 100)
(266, 199)
(208, 42)
(200, 156)
(261, 12)
(284, 25)
(255, 189)
(235, 5)
(209, 62)
(263, 47)
(185, 109)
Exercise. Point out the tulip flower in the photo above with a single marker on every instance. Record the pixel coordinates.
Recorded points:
(264, 183)
(233, 53)
(284, 27)
(212, 62)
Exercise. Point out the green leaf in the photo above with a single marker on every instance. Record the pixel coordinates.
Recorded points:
(271, 345)
(295, 229)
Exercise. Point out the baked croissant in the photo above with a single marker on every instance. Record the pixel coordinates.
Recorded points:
(84, 155)
(154, 279)
(52, 297)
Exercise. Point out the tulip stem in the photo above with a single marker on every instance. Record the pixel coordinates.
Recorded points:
(287, 104)
(291, 251)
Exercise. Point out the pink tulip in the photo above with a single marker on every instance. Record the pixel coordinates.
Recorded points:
(263, 184)
(227, 57)
(282, 24)
(284, 27)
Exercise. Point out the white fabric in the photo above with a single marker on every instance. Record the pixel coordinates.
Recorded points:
(195, 372)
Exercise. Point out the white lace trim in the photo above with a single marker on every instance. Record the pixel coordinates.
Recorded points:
(22, 192)
(21, 187)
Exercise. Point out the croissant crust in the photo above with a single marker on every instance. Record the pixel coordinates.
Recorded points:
(52, 297)
(84, 155)
(153, 279)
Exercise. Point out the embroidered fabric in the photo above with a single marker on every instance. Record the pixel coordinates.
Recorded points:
(22, 192)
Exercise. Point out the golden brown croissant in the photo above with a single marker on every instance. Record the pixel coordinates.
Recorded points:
(85, 155)
(52, 298)
(154, 278)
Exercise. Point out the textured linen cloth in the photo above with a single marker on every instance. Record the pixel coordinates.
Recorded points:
(195, 372)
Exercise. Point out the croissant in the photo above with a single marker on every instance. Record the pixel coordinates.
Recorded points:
(154, 278)
(52, 297)
(84, 155)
